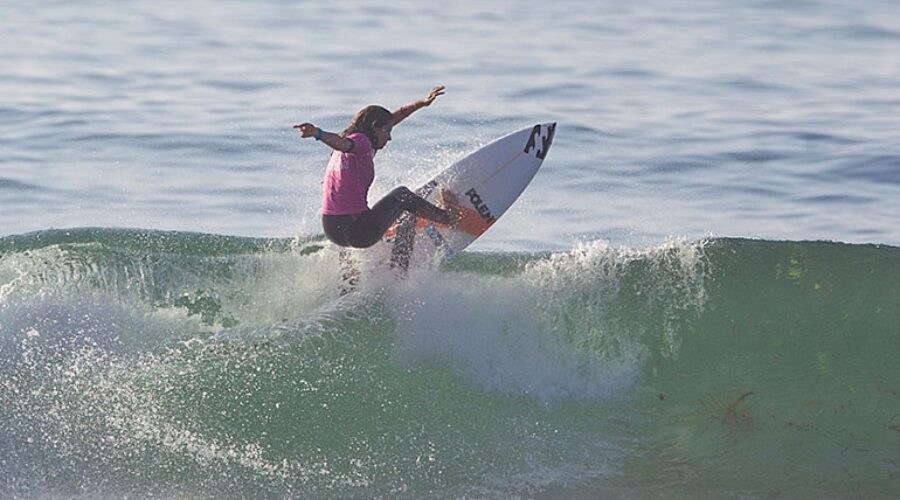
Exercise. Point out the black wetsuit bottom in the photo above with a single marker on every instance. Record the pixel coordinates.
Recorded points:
(365, 229)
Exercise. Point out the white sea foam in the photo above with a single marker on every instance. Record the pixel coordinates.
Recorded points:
(551, 331)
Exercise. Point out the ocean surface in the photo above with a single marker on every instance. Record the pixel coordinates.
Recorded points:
(698, 296)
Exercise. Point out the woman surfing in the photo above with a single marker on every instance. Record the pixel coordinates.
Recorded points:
(346, 217)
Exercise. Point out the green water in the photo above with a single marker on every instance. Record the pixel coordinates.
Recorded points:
(787, 384)
(185, 365)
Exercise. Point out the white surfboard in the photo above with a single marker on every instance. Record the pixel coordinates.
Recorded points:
(486, 183)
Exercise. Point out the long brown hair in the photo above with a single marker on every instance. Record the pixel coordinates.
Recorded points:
(367, 120)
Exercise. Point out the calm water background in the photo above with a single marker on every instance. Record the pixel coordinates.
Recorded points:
(630, 329)
(760, 119)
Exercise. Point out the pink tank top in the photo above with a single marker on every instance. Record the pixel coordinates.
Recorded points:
(348, 178)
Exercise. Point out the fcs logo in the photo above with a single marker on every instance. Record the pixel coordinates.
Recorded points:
(546, 140)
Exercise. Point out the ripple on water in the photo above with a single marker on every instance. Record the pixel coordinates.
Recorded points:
(881, 169)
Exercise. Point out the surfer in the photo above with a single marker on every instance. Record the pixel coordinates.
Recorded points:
(346, 217)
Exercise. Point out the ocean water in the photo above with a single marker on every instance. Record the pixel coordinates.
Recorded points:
(697, 297)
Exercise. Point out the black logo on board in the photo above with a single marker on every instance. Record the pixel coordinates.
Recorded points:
(546, 140)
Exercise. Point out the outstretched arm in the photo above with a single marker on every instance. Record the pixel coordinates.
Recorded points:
(332, 140)
(404, 111)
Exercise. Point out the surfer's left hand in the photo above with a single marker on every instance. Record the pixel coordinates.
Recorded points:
(435, 92)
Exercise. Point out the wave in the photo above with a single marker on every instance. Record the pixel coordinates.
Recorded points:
(184, 364)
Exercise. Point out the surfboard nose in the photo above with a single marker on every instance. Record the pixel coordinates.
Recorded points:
(550, 130)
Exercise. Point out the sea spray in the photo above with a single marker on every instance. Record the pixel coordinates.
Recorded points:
(561, 327)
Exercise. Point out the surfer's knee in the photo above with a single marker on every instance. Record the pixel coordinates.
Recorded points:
(402, 193)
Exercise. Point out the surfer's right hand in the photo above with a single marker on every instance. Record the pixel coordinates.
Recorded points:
(307, 130)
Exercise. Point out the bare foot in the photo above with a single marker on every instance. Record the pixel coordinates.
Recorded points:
(449, 203)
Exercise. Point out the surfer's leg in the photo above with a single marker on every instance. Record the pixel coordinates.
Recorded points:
(430, 211)
(365, 229)
(402, 199)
